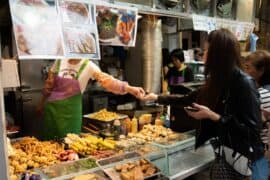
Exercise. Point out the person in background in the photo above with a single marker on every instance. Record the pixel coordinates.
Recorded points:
(198, 54)
(179, 73)
(257, 65)
(63, 91)
(227, 105)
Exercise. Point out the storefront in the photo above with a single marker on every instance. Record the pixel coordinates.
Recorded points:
(128, 37)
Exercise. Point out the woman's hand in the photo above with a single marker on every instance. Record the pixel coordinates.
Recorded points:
(203, 112)
(138, 92)
(151, 96)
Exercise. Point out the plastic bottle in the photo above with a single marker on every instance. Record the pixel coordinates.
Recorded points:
(124, 130)
(141, 122)
(117, 128)
(134, 125)
(128, 124)
(158, 121)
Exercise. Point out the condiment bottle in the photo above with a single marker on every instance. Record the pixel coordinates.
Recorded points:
(124, 130)
(134, 125)
(117, 128)
(128, 124)
(158, 121)
(142, 122)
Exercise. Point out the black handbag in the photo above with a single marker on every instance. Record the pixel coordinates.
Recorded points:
(221, 169)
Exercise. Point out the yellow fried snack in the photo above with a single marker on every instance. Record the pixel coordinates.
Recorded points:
(32, 153)
(104, 115)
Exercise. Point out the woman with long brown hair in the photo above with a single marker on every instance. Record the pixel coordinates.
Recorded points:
(227, 105)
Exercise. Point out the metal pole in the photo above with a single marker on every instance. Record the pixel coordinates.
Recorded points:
(3, 140)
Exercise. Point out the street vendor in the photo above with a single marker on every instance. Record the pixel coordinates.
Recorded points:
(62, 95)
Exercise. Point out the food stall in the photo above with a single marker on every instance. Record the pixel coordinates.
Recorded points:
(111, 146)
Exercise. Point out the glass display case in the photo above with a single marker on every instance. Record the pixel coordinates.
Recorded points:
(168, 152)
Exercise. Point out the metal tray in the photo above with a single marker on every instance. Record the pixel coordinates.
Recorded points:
(120, 116)
(67, 168)
(108, 164)
(122, 158)
(189, 139)
(100, 125)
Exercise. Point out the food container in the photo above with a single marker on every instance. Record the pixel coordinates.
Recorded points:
(95, 175)
(109, 166)
(90, 121)
(67, 168)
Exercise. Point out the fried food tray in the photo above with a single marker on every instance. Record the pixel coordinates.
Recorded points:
(184, 138)
(108, 164)
(91, 116)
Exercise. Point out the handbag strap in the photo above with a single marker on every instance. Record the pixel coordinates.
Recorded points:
(227, 113)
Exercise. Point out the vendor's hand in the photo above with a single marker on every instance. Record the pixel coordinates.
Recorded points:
(203, 113)
(138, 92)
(151, 96)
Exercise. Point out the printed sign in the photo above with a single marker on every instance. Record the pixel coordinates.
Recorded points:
(37, 29)
(79, 29)
(46, 29)
(117, 25)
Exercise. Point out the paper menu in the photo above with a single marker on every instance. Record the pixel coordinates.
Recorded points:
(79, 29)
(117, 25)
(35, 23)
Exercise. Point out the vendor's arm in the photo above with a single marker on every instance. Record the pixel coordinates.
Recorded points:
(174, 99)
(114, 85)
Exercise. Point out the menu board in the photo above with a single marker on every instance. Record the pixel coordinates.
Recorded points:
(46, 29)
(37, 29)
(79, 29)
(117, 25)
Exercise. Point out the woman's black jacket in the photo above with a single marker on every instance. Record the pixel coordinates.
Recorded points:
(240, 127)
